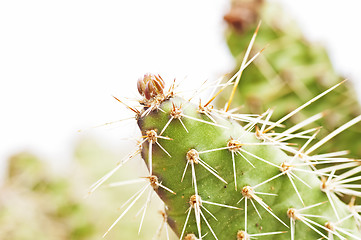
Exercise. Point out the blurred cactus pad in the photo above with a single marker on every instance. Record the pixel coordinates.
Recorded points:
(289, 72)
(40, 202)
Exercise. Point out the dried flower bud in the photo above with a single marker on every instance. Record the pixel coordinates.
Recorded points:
(150, 85)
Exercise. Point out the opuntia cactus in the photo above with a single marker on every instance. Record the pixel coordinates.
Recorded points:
(228, 175)
(224, 175)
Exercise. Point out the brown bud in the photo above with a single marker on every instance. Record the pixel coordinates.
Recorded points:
(150, 85)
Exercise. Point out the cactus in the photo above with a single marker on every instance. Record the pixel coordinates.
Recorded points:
(224, 175)
(289, 72)
(228, 175)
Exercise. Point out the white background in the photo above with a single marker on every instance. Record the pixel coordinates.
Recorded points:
(61, 61)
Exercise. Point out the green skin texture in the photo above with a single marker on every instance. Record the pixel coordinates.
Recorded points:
(304, 71)
(203, 137)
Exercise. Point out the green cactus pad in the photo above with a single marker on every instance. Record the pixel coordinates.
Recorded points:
(256, 162)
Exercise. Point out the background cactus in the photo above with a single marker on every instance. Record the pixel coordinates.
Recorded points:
(290, 71)
(38, 201)
(35, 202)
